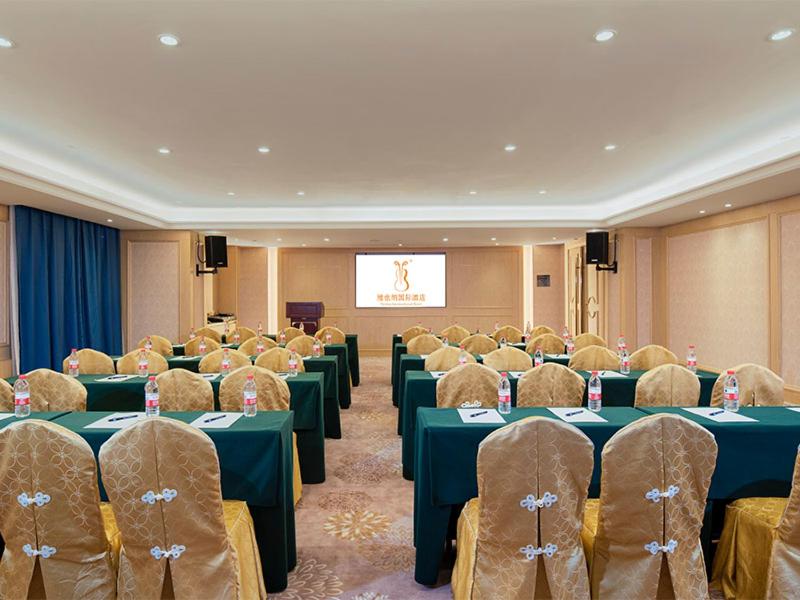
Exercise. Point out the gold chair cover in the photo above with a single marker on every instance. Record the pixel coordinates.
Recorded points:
(654, 483)
(245, 333)
(668, 385)
(511, 333)
(652, 356)
(212, 362)
(167, 457)
(478, 343)
(91, 362)
(272, 391)
(277, 360)
(541, 330)
(424, 344)
(455, 333)
(337, 335)
(758, 386)
(500, 555)
(412, 332)
(594, 358)
(160, 344)
(508, 359)
(588, 339)
(129, 364)
(182, 390)
(250, 346)
(471, 382)
(548, 342)
(51, 390)
(49, 462)
(443, 359)
(303, 345)
(6, 396)
(209, 334)
(550, 384)
(292, 332)
(192, 347)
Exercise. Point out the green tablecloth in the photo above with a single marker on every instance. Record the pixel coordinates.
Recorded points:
(340, 351)
(255, 459)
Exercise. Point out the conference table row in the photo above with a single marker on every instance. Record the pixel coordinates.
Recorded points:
(756, 458)
(255, 461)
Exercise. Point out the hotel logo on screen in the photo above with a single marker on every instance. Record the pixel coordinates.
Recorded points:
(402, 294)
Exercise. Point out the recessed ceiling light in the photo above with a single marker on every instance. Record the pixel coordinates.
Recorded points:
(445, 239)
(280, 239)
(543, 192)
(510, 147)
(781, 34)
(400, 245)
(610, 146)
(494, 239)
(168, 39)
(472, 192)
(109, 220)
(728, 205)
(231, 193)
(6, 43)
(303, 245)
(326, 239)
(164, 150)
(263, 149)
(497, 243)
(604, 35)
(554, 238)
(702, 212)
(301, 193)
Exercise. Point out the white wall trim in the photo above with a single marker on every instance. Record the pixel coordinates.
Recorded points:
(527, 285)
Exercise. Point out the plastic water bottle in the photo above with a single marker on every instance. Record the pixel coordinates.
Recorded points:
(282, 338)
(496, 325)
(302, 326)
(22, 397)
(201, 347)
(624, 361)
(570, 346)
(148, 343)
(192, 334)
(595, 392)
(504, 395)
(445, 341)
(151, 408)
(316, 349)
(565, 333)
(462, 355)
(528, 329)
(144, 363)
(237, 337)
(328, 337)
(730, 392)
(260, 329)
(74, 366)
(250, 397)
(260, 345)
(292, 364)
(225, 365)
(503, 342)
(621, 344)
(691, 359)
(538, 357)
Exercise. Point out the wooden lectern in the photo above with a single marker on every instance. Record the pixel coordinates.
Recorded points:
(307, 313)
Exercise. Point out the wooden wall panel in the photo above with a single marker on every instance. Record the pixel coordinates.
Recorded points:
(644, 292)
(789, 281)
(252, 286)
(153, 278)
(548, 302)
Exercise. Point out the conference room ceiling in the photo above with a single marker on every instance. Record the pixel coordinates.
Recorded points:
(390, 114)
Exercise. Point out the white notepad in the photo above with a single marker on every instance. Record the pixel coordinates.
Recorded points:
(437, 374)
(714, 413)
(794, 408)
(283, 375)
(610, 374)
(557, 355)
(209, 376)
(216, 420)
(515, 374)
(116, 378)
(576, 415)
(480, 415)
(118, 420)
(6, 416)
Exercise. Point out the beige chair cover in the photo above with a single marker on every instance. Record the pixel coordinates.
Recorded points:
(129, 364)
(51, 391)
(250, 346)
(43, 459)
(471, 383)
(443, 359)
(180, 389)
(594, 358)
(91, 362)
(6, 396)
(455, 334)
(160, 344)
(548, 342)
(212, 362)
(541, 330)
(511, 333)
(758, 386)
(588, 339)
(647, 542)
(337, 335)
(292, 332)
(515, 541)
(192, 347)
(478, 343)
(550, 384)
(508, 359)
(209, 333)
(413, 332)
(245, 333)
(272, 392)
(303, 345)
(668, 385)
(207, 560)
(277, 360)
(424, 344)
(652, 356)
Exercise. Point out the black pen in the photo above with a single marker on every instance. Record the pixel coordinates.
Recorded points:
(217, 418)
(478, 414)
(715, 413)
(112, 419)
(572, 414)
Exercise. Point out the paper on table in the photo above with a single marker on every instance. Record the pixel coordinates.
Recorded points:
(283, 375)
(437, 374)
(480, 415)
(794, 408)
(116, 378)
(714, 413)
(6, 416)
(209, 376)
(609, 374)
(423, 356)
(516, 374)
(557, 355)
(573, 414)
(216, 420)
(118, 420)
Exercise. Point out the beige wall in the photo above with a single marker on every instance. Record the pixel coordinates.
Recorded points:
(241, 288)
(548, 302)
(5, 299)
(484, 285)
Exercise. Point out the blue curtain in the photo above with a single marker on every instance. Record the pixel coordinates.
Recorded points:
(68, 274)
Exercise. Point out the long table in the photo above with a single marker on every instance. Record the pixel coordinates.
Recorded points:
(755, 459)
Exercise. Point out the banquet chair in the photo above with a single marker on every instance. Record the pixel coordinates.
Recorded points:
(160, 344)
(758, 386)
(303, 345)
(209, 333)
(455, 334)
(445, 358)
(192, 347)
(52, 391)
(245, 333)
(129, 364)
(521, 537)
(91, 362)
(413, 332)
(212, 362)
(292, 332)
(511, 333)
(668, 385)
(588, 339)
(472, 383)
(424, 344)
(757, 554)
(550, 384)
(479, 343)
(60, 542)
(654, 483)
(594, 358)
(179, 537)
(548, 342)
(6, 396)
(182, 390)
(277, 360)
(652, 356)
(541, 330)
(337, 335)
(508, 359)
(250, 347)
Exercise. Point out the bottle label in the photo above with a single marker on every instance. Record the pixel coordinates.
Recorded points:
(537, 361)
(22, 398)
(594, 395)
(143, 366)
(292, 365)
(73, 364)
(260, 348)
(151, 399)
(328, 338)
(626, 364)
(250, 398)
(226, 365)
(691, 362)
(503, 397)
(730, 393)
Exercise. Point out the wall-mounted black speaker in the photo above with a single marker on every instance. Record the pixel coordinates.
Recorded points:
(596, 247)
(216, 251)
